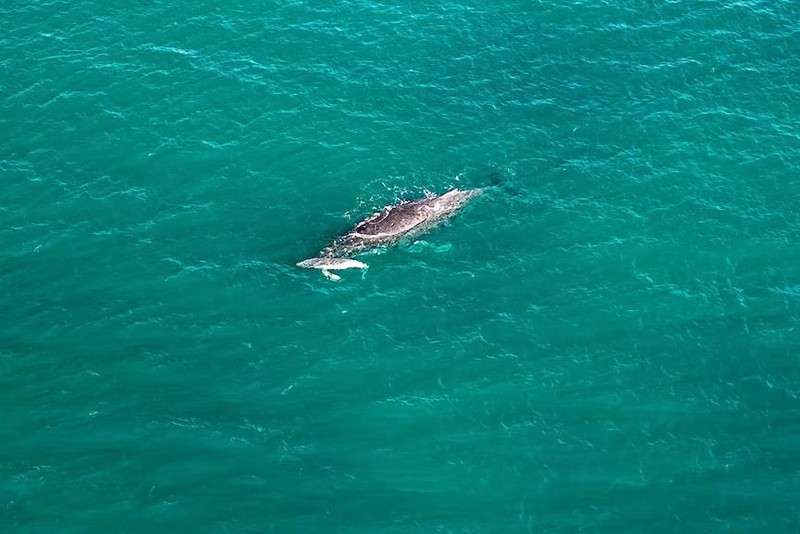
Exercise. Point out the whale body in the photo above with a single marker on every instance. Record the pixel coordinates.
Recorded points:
(387, 227)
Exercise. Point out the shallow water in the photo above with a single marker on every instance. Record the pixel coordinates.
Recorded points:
(606, 342)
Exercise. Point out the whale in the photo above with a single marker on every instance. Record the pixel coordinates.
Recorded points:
(390, 225)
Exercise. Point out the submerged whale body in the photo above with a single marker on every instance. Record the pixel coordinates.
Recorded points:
(386, 227)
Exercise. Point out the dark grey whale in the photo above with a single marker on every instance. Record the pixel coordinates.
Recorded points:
(388, 226)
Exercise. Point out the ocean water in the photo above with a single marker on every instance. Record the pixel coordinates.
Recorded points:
(606, 341)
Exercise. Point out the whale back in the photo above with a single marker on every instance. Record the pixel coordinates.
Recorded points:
(393, 220)
(397, 222)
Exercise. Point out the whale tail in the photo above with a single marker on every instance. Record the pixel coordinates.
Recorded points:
(504, 181)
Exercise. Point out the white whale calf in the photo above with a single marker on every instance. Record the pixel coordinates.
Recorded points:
(328, 264)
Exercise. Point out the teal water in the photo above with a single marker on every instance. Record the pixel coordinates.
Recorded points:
(609, 342)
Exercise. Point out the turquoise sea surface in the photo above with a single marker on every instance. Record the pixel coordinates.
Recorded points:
(607, 340)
